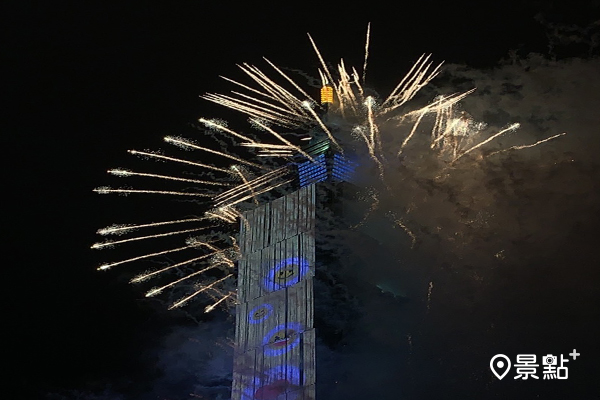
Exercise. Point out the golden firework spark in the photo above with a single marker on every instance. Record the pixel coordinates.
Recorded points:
(124, 228)
(196, 293)
(107, 190)
(111, 243)
(270, 106)
(123, 173)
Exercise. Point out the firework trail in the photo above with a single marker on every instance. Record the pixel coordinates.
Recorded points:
(161, 157)
(402, 225)
(123, 173)
(107, 190)
(503, 131)
(146, 276)
(187, 144)
(364, 74)
(111, 243)
(122, 229)
(387, 131)
(160, 253)
(187, 298)
(214, 305)
(156, 291)
(526, 146)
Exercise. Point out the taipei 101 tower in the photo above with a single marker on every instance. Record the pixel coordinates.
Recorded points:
(275, 355)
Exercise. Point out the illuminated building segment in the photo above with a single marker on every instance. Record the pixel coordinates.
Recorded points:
(275, 339)
(326, 95)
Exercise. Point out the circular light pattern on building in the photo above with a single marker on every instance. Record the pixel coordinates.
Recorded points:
(260, 313)
(286, 273)
(282, 339)
(274, 382)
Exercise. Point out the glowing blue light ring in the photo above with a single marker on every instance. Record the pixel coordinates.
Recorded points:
(269, 351)
(251, 313)
(270, 282)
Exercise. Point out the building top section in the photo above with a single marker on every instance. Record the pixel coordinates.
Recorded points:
(280, 219)
(327, 95)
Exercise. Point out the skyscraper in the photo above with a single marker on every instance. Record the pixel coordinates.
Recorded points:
(275, 336)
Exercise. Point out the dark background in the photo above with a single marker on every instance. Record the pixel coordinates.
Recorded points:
(88, 80)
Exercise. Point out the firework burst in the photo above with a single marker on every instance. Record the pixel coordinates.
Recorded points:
(384, 130)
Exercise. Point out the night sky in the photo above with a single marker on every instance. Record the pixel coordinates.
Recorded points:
(89, 80)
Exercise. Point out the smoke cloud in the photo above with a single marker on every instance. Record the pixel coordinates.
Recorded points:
(491, 254)
(444, 265)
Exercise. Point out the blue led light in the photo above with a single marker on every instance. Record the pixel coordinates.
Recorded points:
(286, 273)
(343, 169)
(338, 168)
(282, 339)
(311, 172)
(260, 313)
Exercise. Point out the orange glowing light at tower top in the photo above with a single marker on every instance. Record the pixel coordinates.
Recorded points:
(326, 95)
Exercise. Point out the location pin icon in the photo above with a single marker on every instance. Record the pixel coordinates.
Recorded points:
(500, 365)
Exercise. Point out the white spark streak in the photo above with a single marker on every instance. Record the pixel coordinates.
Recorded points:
(411, 83)
(155, 291)
(429, 290)
(255, 182)
(185, 299)
(268, 85)
(259, 192)
(251, 109)
(510, 128)
(402, 225)
(160, 156)
(327, 73)
(160, 253)
(283, 140)
(412, 132)
(214, 125)
(526, 146)
(249, 88)
(364, 74)
(107, 190)
(111, 243)
(148, 275)
(186, 143)
(250, 188)
(322, 125)
(275, 154)
(292, 101)
(213, 306)
(373, 141)
(268, 146)
(288, 79)
(327, 78)
(266, 103)
(123, 173)
(119, 229)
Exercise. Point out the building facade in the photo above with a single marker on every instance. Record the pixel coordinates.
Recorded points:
(275, 336)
